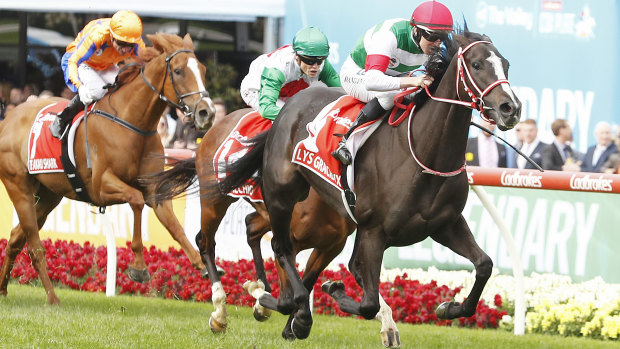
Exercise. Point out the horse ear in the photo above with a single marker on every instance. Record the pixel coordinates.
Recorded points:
(154, 38)
(187, 42)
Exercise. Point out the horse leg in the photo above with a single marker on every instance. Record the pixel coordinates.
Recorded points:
(165, 214)
(365, 265)
(32, 215)
(256, 227)
(459, 239)
(280, 213)
(210, 218)
(13, 248)
(114, 189)
(389, 332)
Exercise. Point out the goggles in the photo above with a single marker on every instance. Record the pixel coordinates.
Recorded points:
(124, 44)
(433, 36)
(312, 60)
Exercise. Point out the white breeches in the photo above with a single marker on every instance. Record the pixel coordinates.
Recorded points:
(94, 80)
(353, 80)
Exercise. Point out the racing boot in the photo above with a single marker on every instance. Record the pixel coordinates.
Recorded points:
(371, 111)
(63, 119)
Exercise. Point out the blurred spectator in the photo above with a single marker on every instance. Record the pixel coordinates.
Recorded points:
(598, 154)
(185, 134)
(46, 94)
(559, 156)
(67, 93)
(164, 130)
(220, 109)
(484, 151)
(531, 147)
(612, 165)
(16, 96)
(510, 153)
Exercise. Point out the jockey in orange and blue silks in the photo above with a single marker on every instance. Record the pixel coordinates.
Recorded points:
(380, 62)
(90, 60)
(275, 77)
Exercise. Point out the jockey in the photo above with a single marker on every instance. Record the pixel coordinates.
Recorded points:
(374, 70)
(90, 61)
(275, 77)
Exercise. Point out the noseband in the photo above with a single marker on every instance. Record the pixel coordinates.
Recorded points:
(180, 105)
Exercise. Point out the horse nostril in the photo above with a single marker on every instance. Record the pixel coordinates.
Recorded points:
(506, 108)
(203, 113)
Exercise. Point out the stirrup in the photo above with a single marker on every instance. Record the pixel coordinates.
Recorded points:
(342, 154)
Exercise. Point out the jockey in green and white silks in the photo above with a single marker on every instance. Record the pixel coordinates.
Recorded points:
(380, 62)
(275, 77)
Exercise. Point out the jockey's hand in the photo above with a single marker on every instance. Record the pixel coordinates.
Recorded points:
(85, 96)
(416, 81)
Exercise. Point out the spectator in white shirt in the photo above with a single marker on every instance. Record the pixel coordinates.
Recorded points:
(484, 151)
(532, 146)
(600, 152)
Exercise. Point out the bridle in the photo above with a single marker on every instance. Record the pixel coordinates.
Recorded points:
(180, 104)
(476, 103)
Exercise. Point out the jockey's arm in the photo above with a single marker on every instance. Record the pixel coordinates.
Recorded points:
(329, 75)
(82, 53)
(271, 82)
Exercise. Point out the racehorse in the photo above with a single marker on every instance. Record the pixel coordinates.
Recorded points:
(314, 225)
(120, 146)
(409, 179)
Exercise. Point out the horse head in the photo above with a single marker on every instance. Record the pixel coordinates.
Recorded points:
(482, 76)
(184, 84)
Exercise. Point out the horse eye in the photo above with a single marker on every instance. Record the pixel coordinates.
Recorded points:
(476, 65)
(177, 71)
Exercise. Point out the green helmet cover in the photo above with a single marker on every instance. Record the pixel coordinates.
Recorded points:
(310, 41)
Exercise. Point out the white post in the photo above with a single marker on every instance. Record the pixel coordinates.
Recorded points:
(517, 268)
(110, 285)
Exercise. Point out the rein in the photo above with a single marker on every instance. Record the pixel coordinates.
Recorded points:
(180, 105)
(476, 103)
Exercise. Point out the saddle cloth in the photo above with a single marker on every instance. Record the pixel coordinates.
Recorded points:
(235, 146)
(44, 150)
(335, 119)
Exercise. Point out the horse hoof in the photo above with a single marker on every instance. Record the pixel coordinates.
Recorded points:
(261, 313)
(216, 326)
(300, 330)
(390, 339)
(330, 286)
(288, 334)
(443, 310)
(140, 276)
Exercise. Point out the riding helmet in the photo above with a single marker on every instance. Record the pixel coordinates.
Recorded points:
(310, 41)
(431, 16)
(126, 26)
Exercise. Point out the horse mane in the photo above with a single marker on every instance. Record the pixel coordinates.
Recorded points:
(437, 63)
(162, 43)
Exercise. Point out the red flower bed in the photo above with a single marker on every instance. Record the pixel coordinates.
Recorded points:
(172, 276)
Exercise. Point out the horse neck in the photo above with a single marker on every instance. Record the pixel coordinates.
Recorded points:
(440, 129)
(137, 103)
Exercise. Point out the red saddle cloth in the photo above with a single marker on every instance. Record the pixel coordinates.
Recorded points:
(43, 149)
(235, 146)
(324, 134)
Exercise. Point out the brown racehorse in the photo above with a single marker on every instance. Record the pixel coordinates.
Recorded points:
(314, 225)
(409, 179)
(169, 73)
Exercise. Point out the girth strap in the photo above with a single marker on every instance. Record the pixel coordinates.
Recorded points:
(72, 174)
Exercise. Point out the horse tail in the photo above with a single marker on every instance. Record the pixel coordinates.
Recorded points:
(174, 181)
(247, 168)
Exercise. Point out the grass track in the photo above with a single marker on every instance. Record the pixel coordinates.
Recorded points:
(91, 320)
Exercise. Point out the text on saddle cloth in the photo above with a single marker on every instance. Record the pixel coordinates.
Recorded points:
(44, 150)
(324, 134)
(234, 147)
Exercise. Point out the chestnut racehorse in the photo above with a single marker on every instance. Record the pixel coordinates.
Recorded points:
(314, 225)
(120, 152)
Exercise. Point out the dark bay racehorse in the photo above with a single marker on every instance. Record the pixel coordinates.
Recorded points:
(409, 180)
(167, 72)
(314, 225)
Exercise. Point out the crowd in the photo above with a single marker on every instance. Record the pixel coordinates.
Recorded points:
(558, 155)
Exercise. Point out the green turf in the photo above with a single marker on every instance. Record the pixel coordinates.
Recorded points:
(92, 320)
